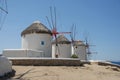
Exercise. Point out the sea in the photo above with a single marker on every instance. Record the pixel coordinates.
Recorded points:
(115, 62)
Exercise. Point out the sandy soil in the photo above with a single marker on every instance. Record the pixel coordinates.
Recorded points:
(88, 72)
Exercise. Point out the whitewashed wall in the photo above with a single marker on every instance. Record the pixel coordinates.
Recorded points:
(64, 50)
(81, 52)
(14, 53)
(33, 41)
(33, 53)
(22, 53)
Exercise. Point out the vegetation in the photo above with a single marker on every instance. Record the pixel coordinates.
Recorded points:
(74, 56)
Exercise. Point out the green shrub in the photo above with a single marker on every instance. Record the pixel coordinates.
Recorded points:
(74, 56)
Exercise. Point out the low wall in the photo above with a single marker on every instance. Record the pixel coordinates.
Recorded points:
(46, 62)
(15, 53)
(22, 53)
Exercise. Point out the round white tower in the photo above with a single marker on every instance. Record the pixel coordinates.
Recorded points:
(37, 37)
(80, 50)
(64, 47)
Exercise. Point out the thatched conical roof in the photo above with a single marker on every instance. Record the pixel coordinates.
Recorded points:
(36, 27)
(78, 43)
(61, 39)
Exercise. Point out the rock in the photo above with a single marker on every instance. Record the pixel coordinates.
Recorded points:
(5, 68)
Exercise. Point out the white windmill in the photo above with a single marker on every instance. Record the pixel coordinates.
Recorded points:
(78, 47)
(53, 25)
(88, 50)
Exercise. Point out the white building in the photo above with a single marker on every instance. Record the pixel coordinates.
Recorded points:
(64, 47)
(36, 42)
(37, 37)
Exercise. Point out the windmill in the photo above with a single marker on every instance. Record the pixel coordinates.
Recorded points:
(87, 48)
(88, 51)
(80, 48)
(75, 43)
(55, 33)
(73, 37)
(3, 12)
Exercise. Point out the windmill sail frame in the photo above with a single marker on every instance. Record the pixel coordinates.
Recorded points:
(53, 26)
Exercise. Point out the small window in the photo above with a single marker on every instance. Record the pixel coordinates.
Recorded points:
(76, 47)
(42, 43)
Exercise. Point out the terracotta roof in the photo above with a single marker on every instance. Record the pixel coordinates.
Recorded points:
(61, 39)
(36, 27)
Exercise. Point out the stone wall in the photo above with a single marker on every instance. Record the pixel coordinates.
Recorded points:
(47, 62)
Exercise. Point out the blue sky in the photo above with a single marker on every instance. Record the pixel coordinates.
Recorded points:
(98, 19)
